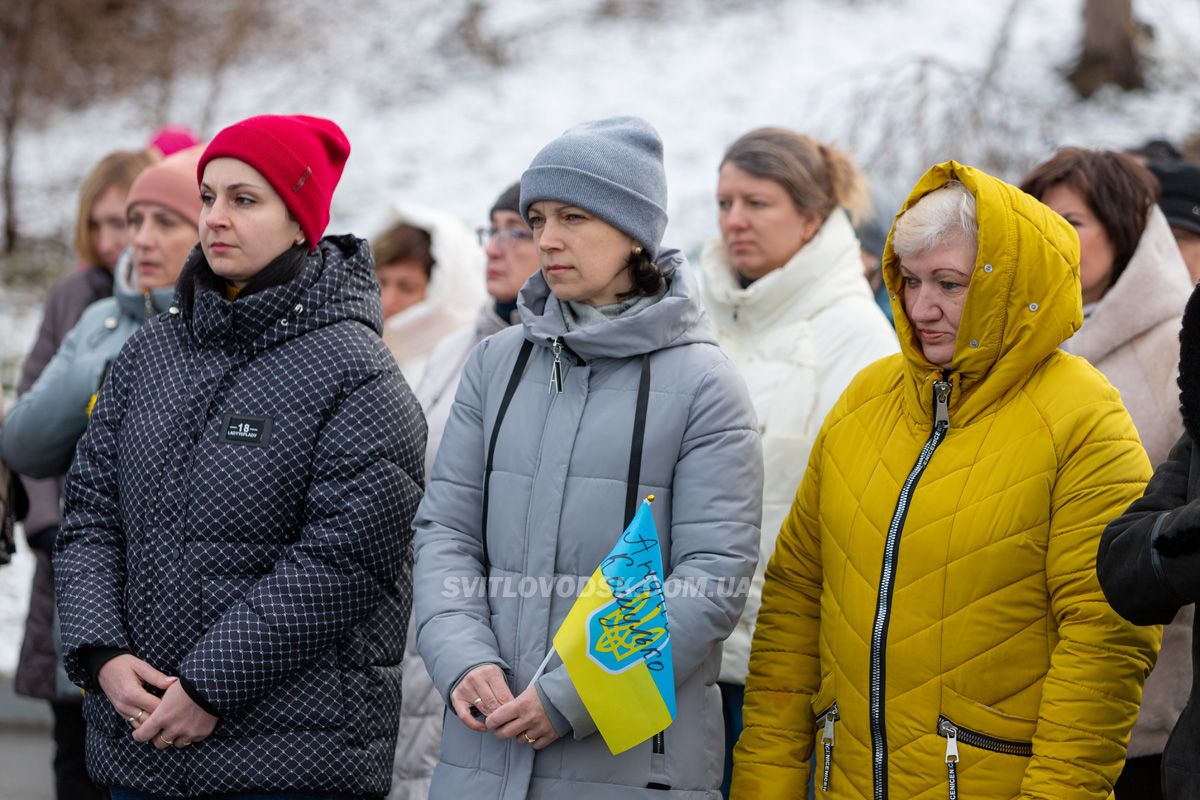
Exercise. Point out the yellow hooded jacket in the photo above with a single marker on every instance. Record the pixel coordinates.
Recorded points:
(931, 621)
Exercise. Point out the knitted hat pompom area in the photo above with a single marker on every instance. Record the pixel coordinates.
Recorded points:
(301, 157)
(610, 167)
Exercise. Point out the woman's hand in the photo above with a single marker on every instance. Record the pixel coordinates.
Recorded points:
(483, 688)
(177, 721)
(524, 716)
(123, 680)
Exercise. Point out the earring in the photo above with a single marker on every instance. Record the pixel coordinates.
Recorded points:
(637, 249)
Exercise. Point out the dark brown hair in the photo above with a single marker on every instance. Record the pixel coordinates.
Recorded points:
(1117, 189)
(646, 276)
(403, 242)
(816, 176)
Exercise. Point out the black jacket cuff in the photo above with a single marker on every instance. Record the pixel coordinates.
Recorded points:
(94, 658)
(194, 693)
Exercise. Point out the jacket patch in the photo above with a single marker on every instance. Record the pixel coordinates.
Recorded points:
(242, 429)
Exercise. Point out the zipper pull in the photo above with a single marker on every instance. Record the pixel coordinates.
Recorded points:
(951, 745)
(827, 746)
(556, 376)
(947, 728)
(941, 403)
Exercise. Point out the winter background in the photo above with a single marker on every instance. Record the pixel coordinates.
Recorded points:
(445, 102)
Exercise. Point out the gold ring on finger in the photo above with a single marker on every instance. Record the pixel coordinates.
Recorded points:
(131, 720)
(478, 702)
(139, 716)
(531, 741)
(166, 740)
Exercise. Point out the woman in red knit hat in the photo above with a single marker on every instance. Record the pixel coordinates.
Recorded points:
(234, 570)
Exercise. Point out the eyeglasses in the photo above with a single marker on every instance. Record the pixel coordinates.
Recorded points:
(509, 237)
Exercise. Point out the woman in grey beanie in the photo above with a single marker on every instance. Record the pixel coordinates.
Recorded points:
(611, 388)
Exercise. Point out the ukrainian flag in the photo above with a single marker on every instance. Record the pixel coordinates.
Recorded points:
(615, 642)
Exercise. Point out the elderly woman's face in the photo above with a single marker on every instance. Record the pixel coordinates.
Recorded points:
(935, 288)
(583, 258)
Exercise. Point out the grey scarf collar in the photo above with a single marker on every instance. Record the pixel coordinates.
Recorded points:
(581, 315)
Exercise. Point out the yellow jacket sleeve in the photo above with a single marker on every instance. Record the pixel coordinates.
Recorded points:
(772, 756)
(1093, 687)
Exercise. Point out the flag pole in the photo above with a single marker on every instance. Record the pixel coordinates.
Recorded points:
(541, 667)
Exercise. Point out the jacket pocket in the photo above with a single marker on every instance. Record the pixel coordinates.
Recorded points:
(966, 722)
(825, 713)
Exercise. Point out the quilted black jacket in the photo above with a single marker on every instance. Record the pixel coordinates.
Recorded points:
(238, 514)
(1149, 559)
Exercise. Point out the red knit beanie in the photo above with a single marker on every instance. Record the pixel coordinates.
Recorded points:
(301, 157)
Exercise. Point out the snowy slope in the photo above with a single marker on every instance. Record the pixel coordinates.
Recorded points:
(429, 123)
(896, 82)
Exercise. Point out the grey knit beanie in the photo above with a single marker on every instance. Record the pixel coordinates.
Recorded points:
(509, 200)
(611, 167)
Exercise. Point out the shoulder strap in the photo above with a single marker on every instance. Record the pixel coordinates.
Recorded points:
(633, 482)
(513, 381)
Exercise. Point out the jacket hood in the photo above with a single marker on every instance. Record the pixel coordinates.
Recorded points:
(826, 270)
(337, 283)
(131, 299)
(1024, 298)
(456, 287)
(676, 319)
(1152, 289)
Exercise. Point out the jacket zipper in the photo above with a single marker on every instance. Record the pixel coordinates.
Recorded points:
(883, 606)
(982, 741)
(660, 743)
(556, 375)
(831, 716)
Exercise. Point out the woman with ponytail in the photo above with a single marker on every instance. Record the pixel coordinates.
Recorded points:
(785, 288)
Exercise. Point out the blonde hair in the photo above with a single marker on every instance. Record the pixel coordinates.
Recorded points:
(815, 175)
(945, 214)
(118, 169)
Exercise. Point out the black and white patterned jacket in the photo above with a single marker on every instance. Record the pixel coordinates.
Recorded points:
(238, 515)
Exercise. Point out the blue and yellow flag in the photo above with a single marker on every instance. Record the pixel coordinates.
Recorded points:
(615, 642)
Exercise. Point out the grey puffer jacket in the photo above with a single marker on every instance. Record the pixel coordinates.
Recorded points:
(39, 440)
(238, 515)
(46, 423)
(39, 673)
(557, 506)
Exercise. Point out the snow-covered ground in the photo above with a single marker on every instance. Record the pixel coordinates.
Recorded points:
(896, 82)
(14, 602)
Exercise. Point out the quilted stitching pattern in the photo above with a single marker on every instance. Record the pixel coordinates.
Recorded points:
(998, 621)
(276, 578)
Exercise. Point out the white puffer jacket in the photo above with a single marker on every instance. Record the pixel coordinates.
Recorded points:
(798, 335)
(456, 290)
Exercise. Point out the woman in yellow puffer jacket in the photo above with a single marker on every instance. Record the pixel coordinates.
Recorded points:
(931, 620)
